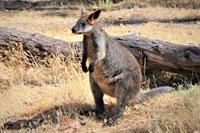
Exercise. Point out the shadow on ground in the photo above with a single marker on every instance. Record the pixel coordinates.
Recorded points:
(52, 115)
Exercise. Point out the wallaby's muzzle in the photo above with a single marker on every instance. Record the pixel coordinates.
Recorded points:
(73, 30)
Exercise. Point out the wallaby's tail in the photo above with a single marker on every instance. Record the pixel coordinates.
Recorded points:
(141, 97)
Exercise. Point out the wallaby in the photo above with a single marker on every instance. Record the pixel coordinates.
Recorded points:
(113, 70)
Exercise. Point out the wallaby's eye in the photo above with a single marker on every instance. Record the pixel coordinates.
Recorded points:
(83, 24)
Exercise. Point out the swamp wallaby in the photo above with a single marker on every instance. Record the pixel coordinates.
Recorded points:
(113, 69)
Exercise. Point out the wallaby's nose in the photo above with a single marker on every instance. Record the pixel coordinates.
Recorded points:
(73, 30)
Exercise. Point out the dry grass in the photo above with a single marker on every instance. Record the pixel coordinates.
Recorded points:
(28, 90)
(60, 27)
(50, 87)
(69, 88)
(176, 112)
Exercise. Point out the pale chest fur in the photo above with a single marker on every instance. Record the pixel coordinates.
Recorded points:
(90, 48)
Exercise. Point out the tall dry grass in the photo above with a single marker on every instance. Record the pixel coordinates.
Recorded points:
(31, 89)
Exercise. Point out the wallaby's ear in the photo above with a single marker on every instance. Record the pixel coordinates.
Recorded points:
(92, 18)
(83, 10)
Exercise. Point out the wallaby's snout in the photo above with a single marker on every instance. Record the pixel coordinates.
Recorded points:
(74, 30)
(78, 29)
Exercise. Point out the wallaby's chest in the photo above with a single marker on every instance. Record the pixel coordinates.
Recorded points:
(95, 46)
(90, 47)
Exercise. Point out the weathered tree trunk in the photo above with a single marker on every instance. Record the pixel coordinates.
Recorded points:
(154, 55)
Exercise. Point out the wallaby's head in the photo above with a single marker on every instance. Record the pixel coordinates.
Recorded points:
(85, 23)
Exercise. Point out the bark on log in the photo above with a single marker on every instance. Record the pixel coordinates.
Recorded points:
(154, 55)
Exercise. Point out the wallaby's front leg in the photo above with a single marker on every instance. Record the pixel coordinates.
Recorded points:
(98, 54)
(84, 58)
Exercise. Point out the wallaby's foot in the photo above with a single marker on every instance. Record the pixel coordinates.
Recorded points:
(87, 113)
(99, 114)
(113, 120)
(110, 122)
(113, 117)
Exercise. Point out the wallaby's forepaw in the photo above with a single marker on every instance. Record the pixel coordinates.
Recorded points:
(84, 67)
(91, 68)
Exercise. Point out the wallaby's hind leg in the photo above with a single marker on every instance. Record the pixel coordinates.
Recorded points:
(98, 98)
(124, 92)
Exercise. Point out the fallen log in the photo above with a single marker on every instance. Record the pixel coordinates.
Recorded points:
(155, 56)
(186, 19)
